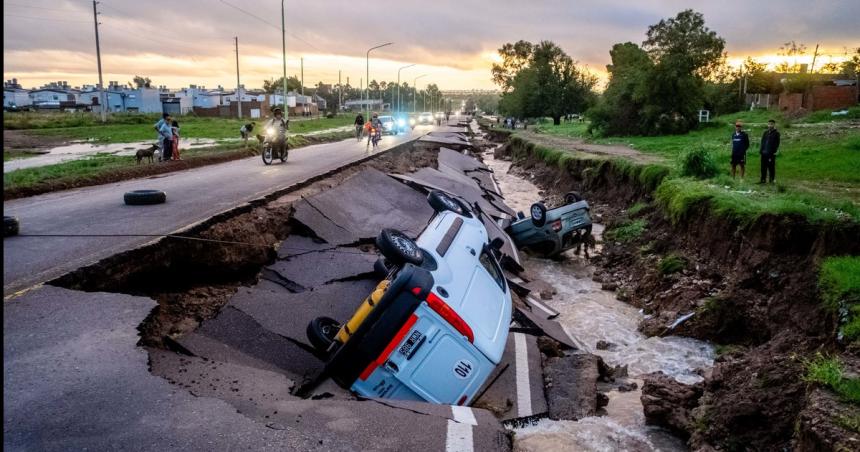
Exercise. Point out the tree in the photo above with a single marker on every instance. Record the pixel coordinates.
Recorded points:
(276, 85)
(792, 50)
(546, 83)
(851, 67)
(141, 82)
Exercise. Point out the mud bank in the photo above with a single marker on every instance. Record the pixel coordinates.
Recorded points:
(193, 274)
(749, 286)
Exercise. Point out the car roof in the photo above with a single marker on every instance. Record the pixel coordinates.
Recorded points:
(386, 116)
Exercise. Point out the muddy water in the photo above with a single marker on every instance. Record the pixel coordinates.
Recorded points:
(81, 150)
(592, 315)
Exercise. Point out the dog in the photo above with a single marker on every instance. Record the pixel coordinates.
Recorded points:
(146, 153)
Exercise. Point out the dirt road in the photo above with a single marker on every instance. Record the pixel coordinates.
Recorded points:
(579, 146)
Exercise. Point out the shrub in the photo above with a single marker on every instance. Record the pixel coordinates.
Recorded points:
(672, 263)
(636, 208)
(626, 231)
(699, 163)
(827, 371)
(839, 283)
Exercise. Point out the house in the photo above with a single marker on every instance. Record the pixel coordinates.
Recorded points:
(14, 95)
(363, 104)
(53, 98)
(304, 105)
(321, 103)
(143, 100)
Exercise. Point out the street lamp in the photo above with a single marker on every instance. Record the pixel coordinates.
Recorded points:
(367, 87)
(284, 49)
(398, 85)
(415, 87)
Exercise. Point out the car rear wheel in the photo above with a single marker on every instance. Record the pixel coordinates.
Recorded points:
(441, 202)
(538, 211)
(398, 249)
(572, 197)
(322, 331)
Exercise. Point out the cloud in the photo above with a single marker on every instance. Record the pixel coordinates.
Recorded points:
(191, 41)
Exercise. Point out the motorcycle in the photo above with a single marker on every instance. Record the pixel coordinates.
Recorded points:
(269, 153)
(375, 136)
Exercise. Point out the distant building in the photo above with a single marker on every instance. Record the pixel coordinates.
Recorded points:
(362, 104)
(14, 95)
(143, 100)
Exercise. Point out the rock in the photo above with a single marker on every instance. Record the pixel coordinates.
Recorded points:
(572, 394)
(669, 404)
(627, 386)
(822, 423)
(603, 345)
(610, 286)
(550, 347)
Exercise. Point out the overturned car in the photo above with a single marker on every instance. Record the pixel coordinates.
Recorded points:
(549, 232)
(436, 325)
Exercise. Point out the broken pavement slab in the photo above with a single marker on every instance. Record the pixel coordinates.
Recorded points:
(296, 245)
(460, 161)
(326, 265)
(361, 206)
(74, 379)
(518, 392)
(288, 315)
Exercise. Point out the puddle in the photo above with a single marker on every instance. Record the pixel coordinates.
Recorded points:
(592, 315)
(82, 149)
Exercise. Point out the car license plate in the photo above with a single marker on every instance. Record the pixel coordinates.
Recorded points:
(410, 343)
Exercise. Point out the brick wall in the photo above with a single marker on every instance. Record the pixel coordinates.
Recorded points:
(833, 97)
(790, 103)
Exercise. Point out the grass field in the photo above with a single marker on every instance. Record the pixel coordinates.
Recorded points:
(817, 170)
(122, 128)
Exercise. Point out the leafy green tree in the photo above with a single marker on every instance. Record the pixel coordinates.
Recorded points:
(272, 85)
(141, 82)
(546, 83)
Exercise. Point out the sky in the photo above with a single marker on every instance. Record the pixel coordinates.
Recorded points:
(181, 42)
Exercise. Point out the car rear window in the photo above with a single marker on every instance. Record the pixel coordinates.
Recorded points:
(492, 267)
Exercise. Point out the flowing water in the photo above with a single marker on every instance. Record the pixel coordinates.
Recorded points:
(592, 315)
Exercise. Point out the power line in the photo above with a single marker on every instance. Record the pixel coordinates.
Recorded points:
(64, 10)
(270, 24)
(45, 18)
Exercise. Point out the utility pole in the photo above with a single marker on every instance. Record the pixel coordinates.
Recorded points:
(415, 92)
(340, 92)
(814, 56)
(238, 84)
(284, 49)
(99, 62)
(302, 68)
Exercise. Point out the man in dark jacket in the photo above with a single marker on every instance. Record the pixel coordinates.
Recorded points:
(740, 144)
(769, 148)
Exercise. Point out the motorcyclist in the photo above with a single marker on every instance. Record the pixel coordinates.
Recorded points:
(280, 125)
(376, 125)
(359, 124)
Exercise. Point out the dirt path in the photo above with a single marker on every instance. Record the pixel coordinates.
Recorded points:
(578, 145)
(22, 140)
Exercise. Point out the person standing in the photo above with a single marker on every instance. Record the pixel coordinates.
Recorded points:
(740, 144)
(175, 128)
(768, 150)
(246, 131)
(166, 133)
(159, 136)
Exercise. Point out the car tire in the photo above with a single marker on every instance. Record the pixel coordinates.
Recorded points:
(144, 197)
(321, 332)
(381, 268)
(538, 211)
(398, 249)
(572, 197)
(10, 226)
(441, 201)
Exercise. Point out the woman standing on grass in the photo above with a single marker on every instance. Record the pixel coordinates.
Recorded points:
(175, 128)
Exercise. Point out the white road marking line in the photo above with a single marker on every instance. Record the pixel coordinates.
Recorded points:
(533, 301)
(524, 393)
(459, 437)
(463, 415)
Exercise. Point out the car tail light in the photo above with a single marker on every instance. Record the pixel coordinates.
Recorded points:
(462, 400)
(445, 311)
(556, 225)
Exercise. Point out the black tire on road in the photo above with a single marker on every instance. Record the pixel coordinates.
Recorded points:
(10, 226)
(284, 156)
(144, 197)
(322, 331)
(572, 197)
(267, 154)
(538, 211)
(441, 201)
(398, 249)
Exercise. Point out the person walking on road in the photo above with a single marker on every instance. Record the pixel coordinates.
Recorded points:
(165, 131)
(174, 126)
(359, 125)
(768, 150)
(740, 144)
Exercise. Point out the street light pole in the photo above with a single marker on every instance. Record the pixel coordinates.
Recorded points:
(398, 85)
(102, 99)
(415, 88)
(284, 49)
(367, 90)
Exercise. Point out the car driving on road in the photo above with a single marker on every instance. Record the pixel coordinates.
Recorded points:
(436, 325)
(425, 118)
(389, 125)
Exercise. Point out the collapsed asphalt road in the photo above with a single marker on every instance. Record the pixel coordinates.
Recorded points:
(231, 381)
(193, 196)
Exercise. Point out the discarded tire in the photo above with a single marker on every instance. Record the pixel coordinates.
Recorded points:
(538, 212)
(398, 249)
(144, 197)
(321, 332)
(440, 202)
(572, 197)
(10, 226)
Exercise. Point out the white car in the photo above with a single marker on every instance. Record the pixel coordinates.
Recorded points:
(389, 125)
(436, 327)
(425, 118)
